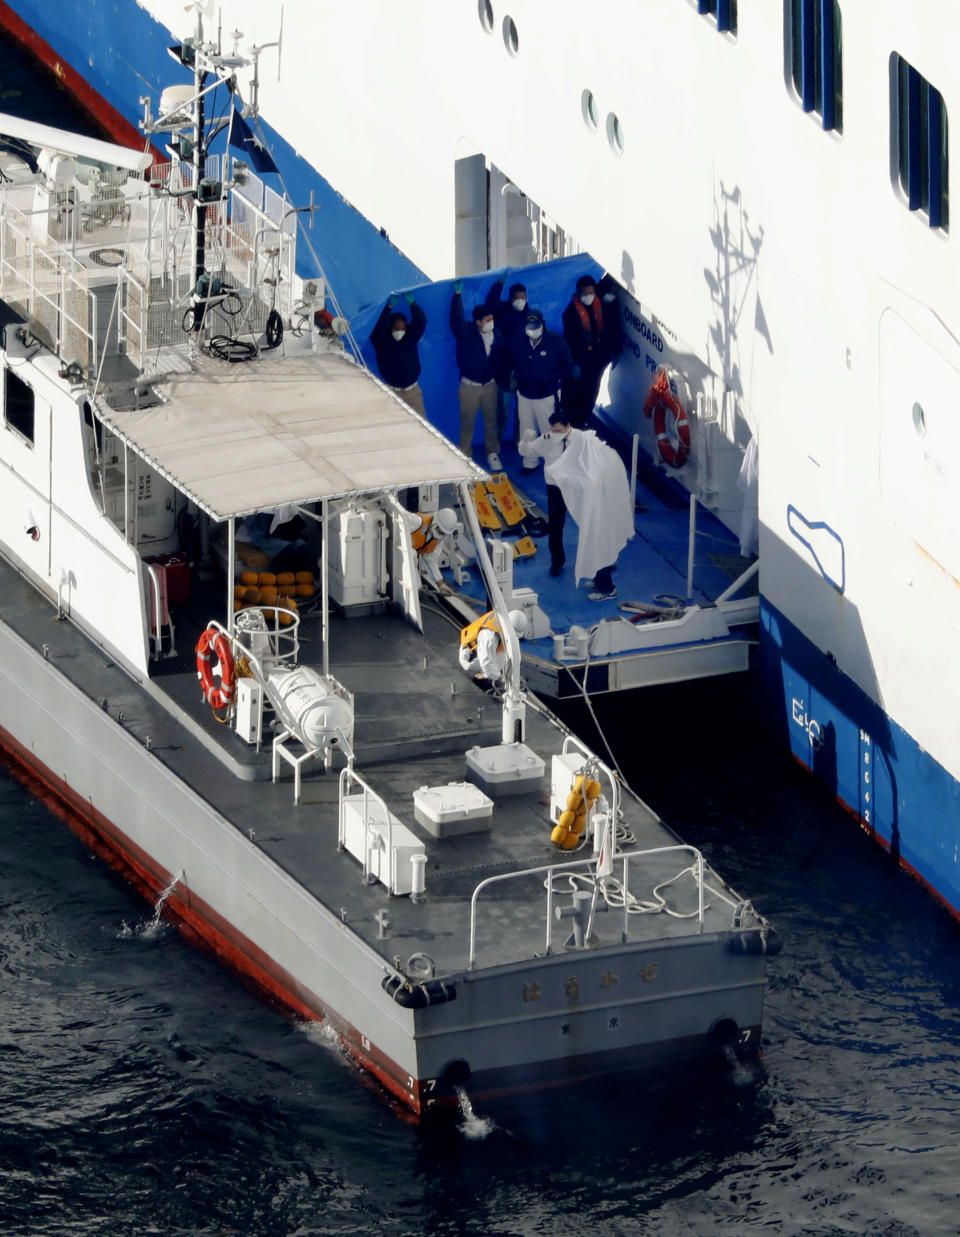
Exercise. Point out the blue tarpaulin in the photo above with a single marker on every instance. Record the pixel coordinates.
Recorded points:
(550, 285)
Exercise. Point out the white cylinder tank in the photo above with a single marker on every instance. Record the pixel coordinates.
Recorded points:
(305, 699)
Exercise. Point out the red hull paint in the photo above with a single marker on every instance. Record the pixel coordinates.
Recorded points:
(199, 923)
(116, 126)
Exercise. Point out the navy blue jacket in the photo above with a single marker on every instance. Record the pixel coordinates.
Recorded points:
(472, 358)
(398, 360)
(541, 367)
(510, 321)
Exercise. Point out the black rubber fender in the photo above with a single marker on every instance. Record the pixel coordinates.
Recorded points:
(763, 940)
(418, 996)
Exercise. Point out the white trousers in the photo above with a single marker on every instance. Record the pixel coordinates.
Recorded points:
(534, 414)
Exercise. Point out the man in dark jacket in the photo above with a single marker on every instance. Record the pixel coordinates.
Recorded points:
(395, 343)
(509, 316)
(542, 366)
(481, 359)
(587, 334)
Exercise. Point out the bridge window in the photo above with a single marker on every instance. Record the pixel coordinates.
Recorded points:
(18, 406)
(919, 135)
(815, 59)
(725, 12)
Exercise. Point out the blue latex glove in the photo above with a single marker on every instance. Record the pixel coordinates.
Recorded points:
(408, 297)
(457, 286)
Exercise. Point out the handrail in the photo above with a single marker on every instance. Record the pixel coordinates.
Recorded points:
(349, 774)
(571, 740)
(155, 591)
(590, 869)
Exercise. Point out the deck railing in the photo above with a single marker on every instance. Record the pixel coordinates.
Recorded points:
(614, 892)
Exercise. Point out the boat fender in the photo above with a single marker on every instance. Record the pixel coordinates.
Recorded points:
(217, 696)
(763, 940)
(418, 996)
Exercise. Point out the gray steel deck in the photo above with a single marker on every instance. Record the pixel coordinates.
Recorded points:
(412, 730)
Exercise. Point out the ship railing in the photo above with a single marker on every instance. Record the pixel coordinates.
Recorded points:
(592, 890)
(52, 288)
(593, 764)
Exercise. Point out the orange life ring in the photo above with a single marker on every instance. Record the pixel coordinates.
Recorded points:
(659, 401)
(217, 697)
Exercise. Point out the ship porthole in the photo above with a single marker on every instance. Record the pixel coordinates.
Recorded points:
(511, 40)
(919, 420)
(485, 10)
(615, 133)
(588, 105)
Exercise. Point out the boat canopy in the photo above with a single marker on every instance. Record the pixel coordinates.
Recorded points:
(251, 437)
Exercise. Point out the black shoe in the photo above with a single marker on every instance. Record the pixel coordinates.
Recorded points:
(556, 569)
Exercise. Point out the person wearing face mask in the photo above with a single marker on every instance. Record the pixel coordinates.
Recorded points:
(395, 342)
(608, 290)
(542, 366)
(551, 446)
(510, 316)
(481, 360)
(585, 330)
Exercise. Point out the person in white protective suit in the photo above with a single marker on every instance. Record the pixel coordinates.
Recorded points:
(482, 651)
(596, 492)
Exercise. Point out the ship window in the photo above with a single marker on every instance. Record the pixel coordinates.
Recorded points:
(18, 406)
(814, 58)
(725, 12)
(591, 117)
(919, 136)
(485, 9)
(511, 40)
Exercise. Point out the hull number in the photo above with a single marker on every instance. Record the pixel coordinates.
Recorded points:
(806, 723)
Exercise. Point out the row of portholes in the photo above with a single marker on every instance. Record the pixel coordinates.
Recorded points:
(588, 104)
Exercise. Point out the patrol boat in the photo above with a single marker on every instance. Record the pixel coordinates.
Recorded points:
(465, 893)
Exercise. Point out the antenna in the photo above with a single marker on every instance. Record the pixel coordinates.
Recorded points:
(254, 106)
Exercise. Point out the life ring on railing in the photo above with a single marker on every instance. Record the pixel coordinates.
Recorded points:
(217, 696)
(660, 401)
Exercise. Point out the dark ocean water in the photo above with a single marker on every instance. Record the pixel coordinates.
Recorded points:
(144, 1090)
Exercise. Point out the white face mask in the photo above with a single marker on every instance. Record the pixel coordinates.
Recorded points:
(398, 335)
(534, 333)
(487, 330)
(587, 298)
(519, 304)
(609, 296)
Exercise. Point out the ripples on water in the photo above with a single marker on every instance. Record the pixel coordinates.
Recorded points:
(145, 1091)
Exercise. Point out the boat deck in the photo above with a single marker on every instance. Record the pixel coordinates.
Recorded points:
(417, 714)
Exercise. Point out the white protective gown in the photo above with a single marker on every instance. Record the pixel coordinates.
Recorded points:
(594, 485)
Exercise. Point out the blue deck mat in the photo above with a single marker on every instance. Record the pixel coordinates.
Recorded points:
(653, 562)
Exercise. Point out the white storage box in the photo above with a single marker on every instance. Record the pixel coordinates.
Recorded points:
(372, 831)
(563, 773)
(458, 807)
(505, 769)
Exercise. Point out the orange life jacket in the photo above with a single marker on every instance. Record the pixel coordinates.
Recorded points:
(471, 633)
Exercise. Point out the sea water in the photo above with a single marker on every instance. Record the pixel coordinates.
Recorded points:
(145, 1090)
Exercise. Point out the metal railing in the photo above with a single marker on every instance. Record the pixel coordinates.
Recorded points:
(348, 777)
(587, 870)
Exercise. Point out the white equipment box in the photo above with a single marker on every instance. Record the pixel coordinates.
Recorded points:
(563, 773)
(358, 557)
(447, 811)
(505, 769)
(370, 833)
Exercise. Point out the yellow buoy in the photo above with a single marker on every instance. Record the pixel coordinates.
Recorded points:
(566, 819)
(570, 841)
(248, 577)
(592, 790)
(266, 577)
(304, 577)
(574, 799)
(268, 593)
(286, 577)
(251, 596)
(304, 590)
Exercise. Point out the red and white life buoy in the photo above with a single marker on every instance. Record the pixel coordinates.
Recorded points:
(661, 401)
(218, 696)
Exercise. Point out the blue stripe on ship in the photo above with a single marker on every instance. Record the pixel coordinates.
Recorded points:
(874, 767)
